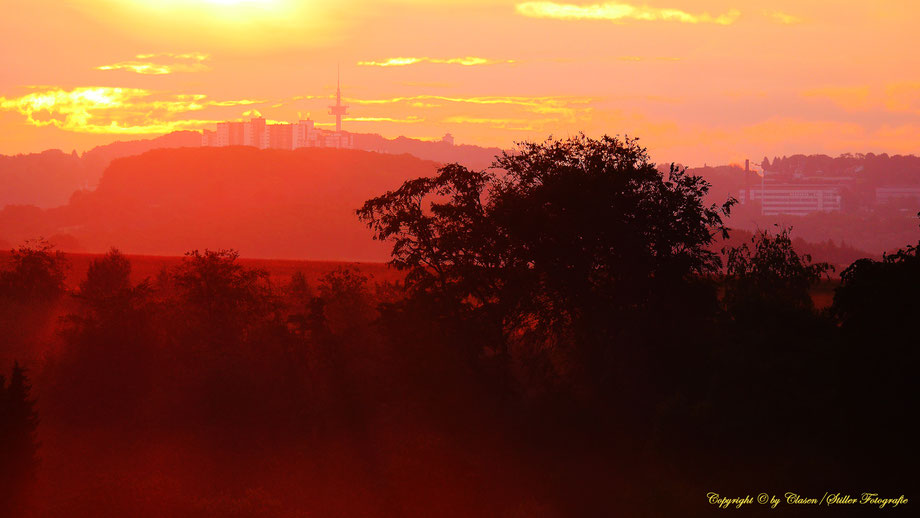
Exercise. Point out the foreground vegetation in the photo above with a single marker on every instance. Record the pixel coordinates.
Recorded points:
(564, 343)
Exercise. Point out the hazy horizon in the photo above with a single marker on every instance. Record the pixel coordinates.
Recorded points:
(700, 82)
(624, 256)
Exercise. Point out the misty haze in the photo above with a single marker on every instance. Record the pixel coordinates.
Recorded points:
(270, 259)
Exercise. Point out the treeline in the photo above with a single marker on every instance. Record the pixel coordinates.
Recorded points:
(871, 169)
(566, 343)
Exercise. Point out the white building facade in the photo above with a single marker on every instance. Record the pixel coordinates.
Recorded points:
(794, 199)
(257, 132)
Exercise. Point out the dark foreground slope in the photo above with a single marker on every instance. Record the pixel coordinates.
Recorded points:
(266, 203)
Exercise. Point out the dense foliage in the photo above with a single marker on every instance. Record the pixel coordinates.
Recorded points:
(565, 343)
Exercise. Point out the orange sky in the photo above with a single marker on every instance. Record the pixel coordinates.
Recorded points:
(699, 81)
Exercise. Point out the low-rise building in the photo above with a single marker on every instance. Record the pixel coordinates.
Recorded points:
(795, 199)
(903, 196)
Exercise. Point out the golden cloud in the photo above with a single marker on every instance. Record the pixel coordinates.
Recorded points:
(403, 61)
(102, 109)
(502, 123)
(618, 12)
(546, 105)
(784, 18)
(153, 64)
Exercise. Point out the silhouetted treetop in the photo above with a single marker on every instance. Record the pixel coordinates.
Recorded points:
(772, 273)
(35, 273)
(880, 294)
(107, 276)
(579, 240)
(563, 216)
(220, 290)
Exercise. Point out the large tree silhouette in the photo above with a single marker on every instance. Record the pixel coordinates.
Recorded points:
(577, 241)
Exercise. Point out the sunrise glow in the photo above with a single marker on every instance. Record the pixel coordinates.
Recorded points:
(458, 258)
(699, 81)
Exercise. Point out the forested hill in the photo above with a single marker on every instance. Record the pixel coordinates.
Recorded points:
(48, 179)
(869, 168)
(265, 203)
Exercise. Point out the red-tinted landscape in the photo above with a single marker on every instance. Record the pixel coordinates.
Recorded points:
(411, 259)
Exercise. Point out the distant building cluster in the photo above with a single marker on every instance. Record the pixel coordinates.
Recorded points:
(258, 133)
(799, 195)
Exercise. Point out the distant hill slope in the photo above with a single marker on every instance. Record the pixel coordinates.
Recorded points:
(44, 179)
(48, 179)
(265, 203)
(474, 157)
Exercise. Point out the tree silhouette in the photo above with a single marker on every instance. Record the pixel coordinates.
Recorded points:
(771, 276)
(775, 348)
(878, 310)
(346, 301)
(578, 240)
(35, 273)
(31, 284)
(107, 276)
(112, 333)
(221, 296)
(18, 442)
(873, 292)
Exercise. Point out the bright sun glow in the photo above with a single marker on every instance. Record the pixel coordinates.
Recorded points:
(191, 3)
(252, 25)
(220, 8)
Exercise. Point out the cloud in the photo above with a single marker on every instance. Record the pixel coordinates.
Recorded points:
(847, 97)
(784, 18)
(901, 97)
(545, 105)
(480, 115)
(161, 64)
(407, 120)
(465, 61)
(102, 109)
(193, 56)
(503, 123)
(618, 12)
(645, 58)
